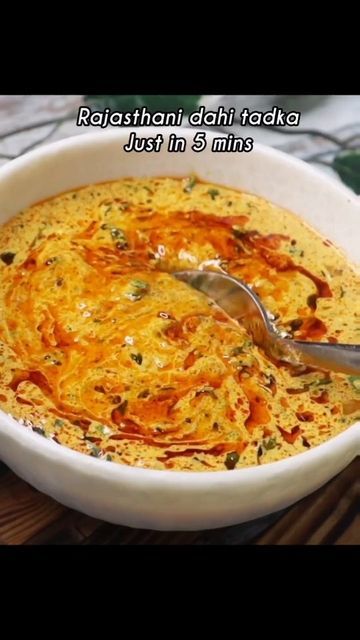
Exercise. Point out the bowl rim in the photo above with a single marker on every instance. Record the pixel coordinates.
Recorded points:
(87, 139)
(56, 453)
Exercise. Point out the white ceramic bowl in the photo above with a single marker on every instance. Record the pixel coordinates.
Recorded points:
(168, 499)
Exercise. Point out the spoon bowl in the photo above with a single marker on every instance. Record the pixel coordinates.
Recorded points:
(241, 303)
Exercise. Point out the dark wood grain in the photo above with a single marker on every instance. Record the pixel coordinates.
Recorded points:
(323, 517)
(331, 515)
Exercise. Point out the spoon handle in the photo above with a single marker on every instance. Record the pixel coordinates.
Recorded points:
(344, 358)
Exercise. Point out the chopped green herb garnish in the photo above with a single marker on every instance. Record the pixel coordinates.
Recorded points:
(140, 288)
(137, 357)
(95, 451)
(108, 457)
(231, 460)
(159, 430)
(236, 351)
(39, 430)
(190, 184)
(117, 233)
(119, 236)
(7, 257)
(134, 297)
(140, 284)
(312, 300)
(50, 261)
(206, 390)
(246, 345)
(342, 292)
(59, 423)
(295, 251)
(270, 443)
(320, 383)
(213, 193)
(355, 381)
(100, 428)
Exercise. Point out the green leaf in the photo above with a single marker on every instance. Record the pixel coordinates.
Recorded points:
(154, 103)
(190, 184)
(213, 193)
(39, 430)
(347, 165)
(140, 284)
(231, 460)
(355, 381)
(137, 357)
(100, 428)
(95, 451)
(270, 443)
(7, 257)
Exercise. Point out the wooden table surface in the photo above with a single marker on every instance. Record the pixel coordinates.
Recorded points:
(331, 515)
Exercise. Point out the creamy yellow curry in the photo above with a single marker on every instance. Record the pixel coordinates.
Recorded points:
(104, 351)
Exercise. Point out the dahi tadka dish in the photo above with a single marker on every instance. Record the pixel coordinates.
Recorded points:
(102, 350)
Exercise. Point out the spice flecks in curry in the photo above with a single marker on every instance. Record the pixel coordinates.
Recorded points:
(104, 351)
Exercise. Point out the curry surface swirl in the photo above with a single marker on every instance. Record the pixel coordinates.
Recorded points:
(104, 351)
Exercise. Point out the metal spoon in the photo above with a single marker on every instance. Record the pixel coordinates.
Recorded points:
(241, 303)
